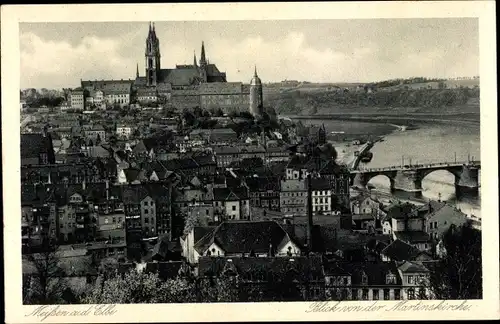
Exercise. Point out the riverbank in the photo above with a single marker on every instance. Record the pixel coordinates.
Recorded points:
(471, 119)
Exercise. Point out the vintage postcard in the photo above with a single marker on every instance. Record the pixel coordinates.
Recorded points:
(250, 162)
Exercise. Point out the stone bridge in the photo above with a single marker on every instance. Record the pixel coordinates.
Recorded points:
(409, 177)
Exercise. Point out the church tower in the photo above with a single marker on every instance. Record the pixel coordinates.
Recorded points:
(256, 98)
(152, 57)
(203, 64)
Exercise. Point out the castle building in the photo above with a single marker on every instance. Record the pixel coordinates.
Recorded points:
(199, 84)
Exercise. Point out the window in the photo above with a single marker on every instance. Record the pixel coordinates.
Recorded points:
(397, 294)
(234, 208)
(387, 294)
(365, 294)
(431, 225)
(146, 220)
(410, 280)
(114, 219)
(146, 211)
(411, 293)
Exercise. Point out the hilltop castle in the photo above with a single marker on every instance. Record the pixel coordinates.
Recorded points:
(185, 86)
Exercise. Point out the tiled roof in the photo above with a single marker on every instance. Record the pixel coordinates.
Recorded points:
(244, 237)
(178, 76)
(376, 272)
(399, 251)
(413, 267)
(301, 268)
(230, 194)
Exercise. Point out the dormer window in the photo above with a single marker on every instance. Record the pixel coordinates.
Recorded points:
(364, 278)
(390, 278)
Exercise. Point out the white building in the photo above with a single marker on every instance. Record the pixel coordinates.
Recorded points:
(321, 196)
(77, 99)
(123, 131)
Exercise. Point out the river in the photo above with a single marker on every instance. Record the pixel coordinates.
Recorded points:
(427, 144)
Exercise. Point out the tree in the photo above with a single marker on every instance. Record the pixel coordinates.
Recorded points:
(458, 273)
(140, 287)
(46, 284)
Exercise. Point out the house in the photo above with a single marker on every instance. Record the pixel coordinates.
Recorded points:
(293, 194)
(231, 203)
(415, 280)
(399, 251)
(241, 238)
(131, 176)
(362, 281)
(77, 99)
(124, 131)
(264, 192)
(439, 217)
(188, 241)
(269, 279)
(96, 133)
(321, 196)
(37, 149)
(147, 95)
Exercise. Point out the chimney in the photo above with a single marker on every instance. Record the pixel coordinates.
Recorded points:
(309, 213)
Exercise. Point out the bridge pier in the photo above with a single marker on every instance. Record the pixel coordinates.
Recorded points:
(408, 180)
(360, 181)
(468, 181)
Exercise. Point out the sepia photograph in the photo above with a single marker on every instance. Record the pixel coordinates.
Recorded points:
(199, 161)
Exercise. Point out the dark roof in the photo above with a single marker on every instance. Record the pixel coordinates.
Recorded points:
(413, 267)
(230, 194)
(376, 272)
(402, 210)
(400, 251)
(413, 236)
(302, 268)
(32, 145)
(244, 237)
(178, 76)
(263, 184)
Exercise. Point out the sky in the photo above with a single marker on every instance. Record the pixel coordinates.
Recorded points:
(56, 55)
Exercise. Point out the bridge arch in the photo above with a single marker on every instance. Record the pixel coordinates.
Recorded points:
(377, 178)
(454, 173)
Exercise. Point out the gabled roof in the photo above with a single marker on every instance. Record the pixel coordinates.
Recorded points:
(413, 267)
(244, 237)
(399, 251)
(230, 194)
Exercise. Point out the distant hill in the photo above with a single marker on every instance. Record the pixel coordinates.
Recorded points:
(416, 97)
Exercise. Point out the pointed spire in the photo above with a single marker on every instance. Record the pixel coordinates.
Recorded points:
(137, 71)
(203, 59)
(255, 72)
(194, 55)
